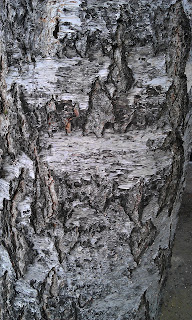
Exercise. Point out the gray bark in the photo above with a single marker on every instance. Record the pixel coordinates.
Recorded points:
(94, 138)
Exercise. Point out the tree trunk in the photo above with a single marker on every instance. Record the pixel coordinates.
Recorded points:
(94, 139)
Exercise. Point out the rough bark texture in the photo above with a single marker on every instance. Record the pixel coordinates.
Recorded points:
(94, 137)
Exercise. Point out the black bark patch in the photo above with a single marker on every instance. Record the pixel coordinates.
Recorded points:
(56, 31)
